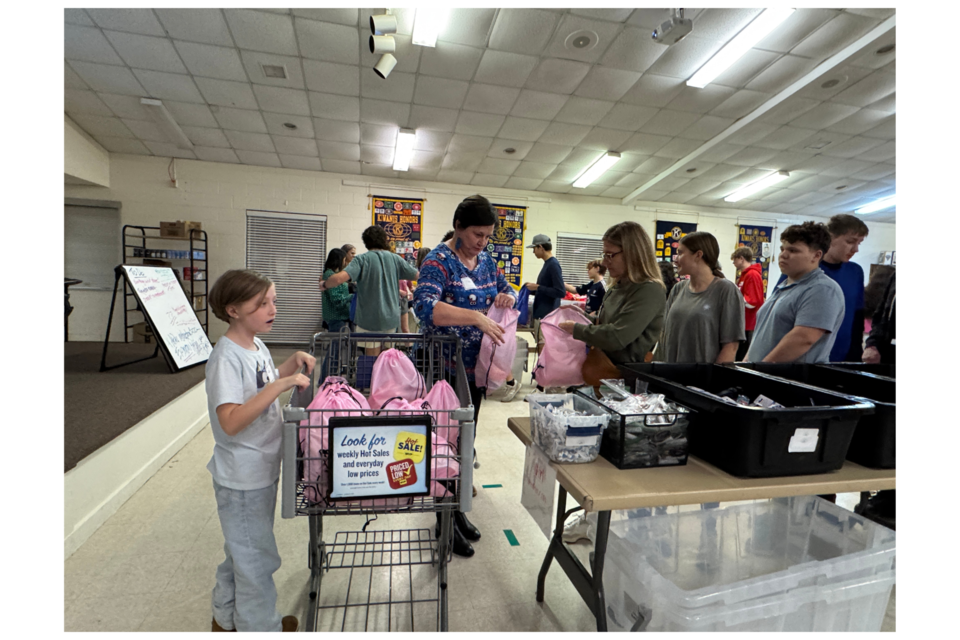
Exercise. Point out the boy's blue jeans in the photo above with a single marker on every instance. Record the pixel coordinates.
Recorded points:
(245, 597)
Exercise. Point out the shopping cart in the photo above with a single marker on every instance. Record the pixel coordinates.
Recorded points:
(383, 554)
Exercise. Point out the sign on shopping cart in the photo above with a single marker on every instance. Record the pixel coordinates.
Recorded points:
(380, 457)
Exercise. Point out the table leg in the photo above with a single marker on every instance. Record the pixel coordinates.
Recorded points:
(599, 554)
(557, 538)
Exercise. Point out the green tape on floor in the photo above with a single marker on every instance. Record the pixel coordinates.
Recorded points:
(511, 538)
(492, 486)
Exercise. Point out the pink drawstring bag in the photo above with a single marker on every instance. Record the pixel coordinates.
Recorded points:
(394, 374)
(562, 358)
(442, 397)
(496, 360)
(443, 454)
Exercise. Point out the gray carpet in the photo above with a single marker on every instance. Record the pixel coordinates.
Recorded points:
(98, 407)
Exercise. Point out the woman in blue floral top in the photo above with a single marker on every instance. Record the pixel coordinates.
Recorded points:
(458, 283)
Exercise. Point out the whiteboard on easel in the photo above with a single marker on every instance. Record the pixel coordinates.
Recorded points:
(174, 321)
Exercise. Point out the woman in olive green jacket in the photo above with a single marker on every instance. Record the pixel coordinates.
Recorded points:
(631, 317)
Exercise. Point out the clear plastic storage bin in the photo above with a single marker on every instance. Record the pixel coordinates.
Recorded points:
(788, 564)
(567, 438)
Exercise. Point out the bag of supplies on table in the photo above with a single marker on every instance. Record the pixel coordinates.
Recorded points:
(394, 374)
(523, 306)
(496, 360)
(561, 362)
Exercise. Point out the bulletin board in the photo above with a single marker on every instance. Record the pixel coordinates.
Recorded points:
(506, 245)
(402, 219)
(668, 238)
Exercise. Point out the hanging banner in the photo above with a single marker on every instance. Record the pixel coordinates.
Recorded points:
(402, 219)
(506, 245)
(668, 238)
(539, 485)
(760, 241)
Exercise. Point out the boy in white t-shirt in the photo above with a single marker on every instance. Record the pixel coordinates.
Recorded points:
(243, 388)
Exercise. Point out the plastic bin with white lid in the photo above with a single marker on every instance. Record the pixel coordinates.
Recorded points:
(567, 438)
(788, 564)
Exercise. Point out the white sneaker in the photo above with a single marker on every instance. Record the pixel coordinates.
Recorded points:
(512, 391)
(577, 529)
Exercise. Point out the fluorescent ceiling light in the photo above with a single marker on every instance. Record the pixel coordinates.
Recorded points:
(759, 185)
(597, 169)
(428, 24)
(166, 123)
(743, 42)
(405, 141)
(877, 205)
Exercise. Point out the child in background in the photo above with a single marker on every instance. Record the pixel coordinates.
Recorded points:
(243, 388)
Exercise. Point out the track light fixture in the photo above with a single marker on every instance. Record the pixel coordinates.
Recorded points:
(383, 24)
(385, 66)
(382, 44)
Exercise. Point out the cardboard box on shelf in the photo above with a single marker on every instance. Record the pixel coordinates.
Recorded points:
(178, 229)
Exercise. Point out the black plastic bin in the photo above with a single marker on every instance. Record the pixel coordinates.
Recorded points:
(640, 440)
(881, 369)
(811, 434)
(874, 442)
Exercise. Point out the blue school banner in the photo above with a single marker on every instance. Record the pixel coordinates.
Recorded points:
(668, 238)
(755, 238)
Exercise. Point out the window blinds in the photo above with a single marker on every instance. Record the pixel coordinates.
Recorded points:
(573, 252)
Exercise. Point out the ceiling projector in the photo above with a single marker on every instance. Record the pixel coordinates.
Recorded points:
(673, 30)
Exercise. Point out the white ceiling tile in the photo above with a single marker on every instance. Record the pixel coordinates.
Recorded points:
(843, 184)
(784, 137)
(253, 62)
(462, 161)
(504, 68)
(534, 170)
(555, 186)
(604, 139)
(147, 130)
(628, 117)
(196, 25)
(606, 83)
(876, 86)
(878, 14)
(397, 88)
(523, 129)
(803, 183)
(300, 162)
(337, 130)
(861, 121)
(468, 26)
(327, 105)
(633, 50)
(123, 145)
(567, 173)
(678, 148)
(632, 180)
(557, 76)
(490, 98)
(407, 54)
(811, 197)
(846, 168)
(434, 118)
(886, 151)
(668, 122)
(887, 104)
(282, 100)
(328, 42)
(173, 86)
(382, 135)
(885, 131)
(677, 197)
(746, 68)
(630, 161)
(426, 161)
(700, 100)
(380, 170)
(146, 52)
(740, 104)
(130, 20)
(258, 158)
(205, 137)
(259, 31)
(671, 183)
(226, 93)
(210, 61)
(440, 92)
(250, 141)
(610, 15)
(817, 164)
(581, 157)
(331, 77)
(784, 161)
(548, 153)
(722, 172)
(875, 172)
(462, 143)
(706, 128)
(789, 109)
(341, 166)
(449, 60)
(610, 178)
(338, 150)
(241, 120)
(489, 180)
(87, 44)
(434, 141)
(71, 80)
(541, 105)
(579, 110)
(794, 29)
(781, 74)
(829, 84)
(455, 177)
(295, 146)
(833, 36)
(102, 125)
(562, 44)
(720, 152)
(525, 31)
(524, 184)
(654, 91)
(681, 60)
(187, 113)
(871, 58)
(77, 16)
(169, 150)
(823, 115)
(276, 121)
(699, 186)
(565, 134)
(750, 156)
(645, 143)
(346, 16)
(108, 78)
(383, 112)
(130, 107)
(83, 101)
(497, 166)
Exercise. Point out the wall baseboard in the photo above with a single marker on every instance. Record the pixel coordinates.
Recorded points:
(100, 483)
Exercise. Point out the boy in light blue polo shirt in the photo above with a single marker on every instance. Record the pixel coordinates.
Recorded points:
(799, 322)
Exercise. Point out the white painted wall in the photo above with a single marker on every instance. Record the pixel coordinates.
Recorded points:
(83, 157)
(218, 196)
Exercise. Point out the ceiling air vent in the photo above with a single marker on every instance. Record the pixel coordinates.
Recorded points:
(274, 71)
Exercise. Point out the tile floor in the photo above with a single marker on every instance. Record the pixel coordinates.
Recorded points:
(151, 566)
